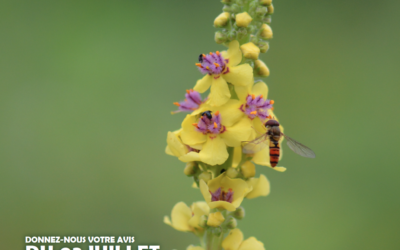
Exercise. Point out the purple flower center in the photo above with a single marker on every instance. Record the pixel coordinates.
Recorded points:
(213, 64)
(210, 125)
(220, 195)
(192, 102)
(256, 106)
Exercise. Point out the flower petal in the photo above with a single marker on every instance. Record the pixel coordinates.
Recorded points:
(251, 244)
(230, 112)
(219, 93)
(199, 209)
(175, 145)
(191, 156)
(222, 205)
(237, 156)
(189, 134)
(191, 247)
(260, 88)
(243, 91)
(241, 75)
(233, 240)
(203, 84)
(214, 151)
(261, 187)
(235, 135)
(205, 191)
(234, 54)
(180, 216)
(215, 219)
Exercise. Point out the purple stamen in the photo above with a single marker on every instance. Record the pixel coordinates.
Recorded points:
(192, 102)
(213, 64)
(256, 107)
(212, 126)
(220, 195)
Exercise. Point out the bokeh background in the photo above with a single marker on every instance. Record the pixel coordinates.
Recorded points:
(86, 90)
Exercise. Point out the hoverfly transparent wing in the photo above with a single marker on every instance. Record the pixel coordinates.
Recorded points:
(299, 148)
(256, 145)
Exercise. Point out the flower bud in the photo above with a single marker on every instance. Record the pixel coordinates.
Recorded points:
(226, 8)
(190, 169)
(205, 176)
(215, 219)
(267, 19)
(243, 19)
(219, 37)
(260, 68)
(266, 31)
(203, 221)
(227, 1)
(266, 2)
(231, 173)
(250, 50)
(270, 9)
(221, 20)
(217, 231)
(264, 46)
(235, 8)
(248, 169)
(232, 223)
(261, 10)
(239, 213)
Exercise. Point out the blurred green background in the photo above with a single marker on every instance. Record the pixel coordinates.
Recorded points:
(86, 90)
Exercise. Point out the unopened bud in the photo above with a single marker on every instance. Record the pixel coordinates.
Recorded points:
(266, 31)
(203, 221)
(190, 169)
(270, 9)
(264, 46)
(225, 1)
(248, 169)
(267, 19)
(215, 219)
(216, 231)
(239, 213)
(226, 8)
(235, 8)
(231, 173)
(232, 223)
(219, 37)
(250, 50)
(205, 176)
(241, 32)
(222, 19)
(266, 2)
(260, 68)
(261, 10)
(243, 19)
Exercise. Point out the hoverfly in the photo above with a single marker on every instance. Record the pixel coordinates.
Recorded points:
(271, 139)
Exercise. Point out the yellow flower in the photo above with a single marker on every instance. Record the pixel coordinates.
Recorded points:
(221, 19)
(243, 19)
(250, 50)
(221, 68)
(254, 105)
(214, 130)
(248, 169)
(261, 187)
(184, 218)
(234, 241)
(215, 219)
(175, 147)
(224, 192)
